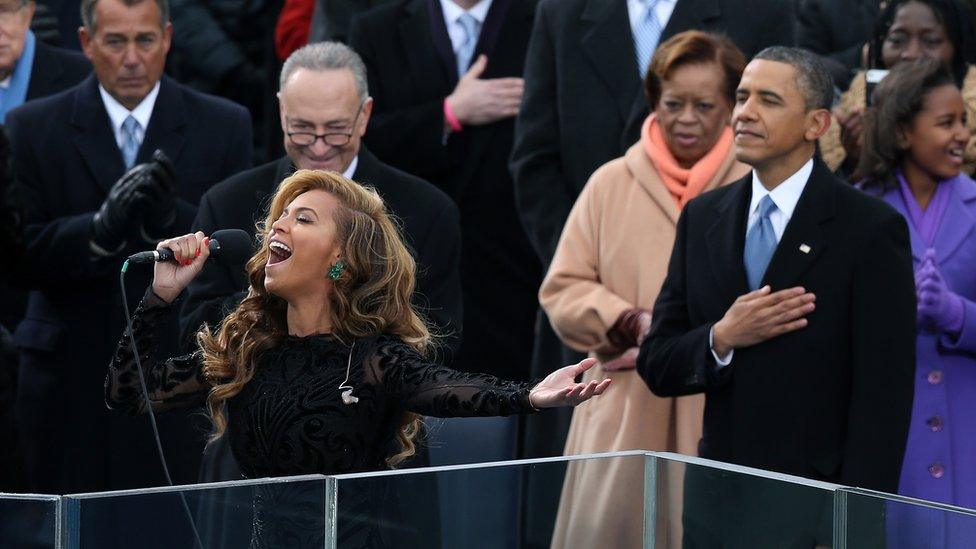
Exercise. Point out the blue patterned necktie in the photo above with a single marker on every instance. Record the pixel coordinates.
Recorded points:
(130, 144)
(760, 244)
(466, 51)
(647, 32)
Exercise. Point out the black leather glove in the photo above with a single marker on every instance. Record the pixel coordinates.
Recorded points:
(115, 219)
(161, 195)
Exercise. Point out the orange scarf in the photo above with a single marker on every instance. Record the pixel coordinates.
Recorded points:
(683, 184)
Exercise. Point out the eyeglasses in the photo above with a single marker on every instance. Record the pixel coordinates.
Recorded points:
(333, 139)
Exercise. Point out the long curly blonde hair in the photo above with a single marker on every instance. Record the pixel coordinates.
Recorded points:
(372, 296)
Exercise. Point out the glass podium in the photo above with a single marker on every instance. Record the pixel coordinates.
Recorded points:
(666, 501)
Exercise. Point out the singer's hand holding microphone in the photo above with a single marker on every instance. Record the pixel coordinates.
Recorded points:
(179, 260)
(190, 252)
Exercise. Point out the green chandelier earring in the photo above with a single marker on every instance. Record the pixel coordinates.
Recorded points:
(336, 270)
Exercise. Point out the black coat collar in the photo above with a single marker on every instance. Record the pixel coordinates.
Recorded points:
(802, 243)
(95, 138)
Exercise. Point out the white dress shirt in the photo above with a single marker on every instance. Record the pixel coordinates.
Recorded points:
(352, 167)
(636, 9)
(454, 29)
(117, 113)
(785, 196)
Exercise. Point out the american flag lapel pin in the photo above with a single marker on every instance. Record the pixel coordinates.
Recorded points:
(804, 248)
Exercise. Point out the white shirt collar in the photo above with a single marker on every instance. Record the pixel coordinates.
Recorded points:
(117, 113)
(5, 83)
(786, 194)
(352, 168)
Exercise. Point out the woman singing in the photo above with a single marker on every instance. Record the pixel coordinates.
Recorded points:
(323, 365)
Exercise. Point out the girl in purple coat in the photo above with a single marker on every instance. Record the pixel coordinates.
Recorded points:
(914, 149)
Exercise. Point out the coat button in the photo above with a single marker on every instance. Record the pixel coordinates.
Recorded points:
(934, 423)
(935, 377)
(937, 470)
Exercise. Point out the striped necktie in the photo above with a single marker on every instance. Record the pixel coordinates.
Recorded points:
(466, 51)
(760, 244)
(647, 32)
(130, 142)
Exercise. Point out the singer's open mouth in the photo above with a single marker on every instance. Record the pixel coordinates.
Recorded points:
(278, 252)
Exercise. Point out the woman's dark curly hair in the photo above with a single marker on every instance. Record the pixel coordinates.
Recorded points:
(897, 101)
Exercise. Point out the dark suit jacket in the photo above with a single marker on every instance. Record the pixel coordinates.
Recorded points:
(54, 70)
(837, 30)
(430, 223)
(831, 401)
(412, 68)
(331, 18)
(67, 159)
(584, 104)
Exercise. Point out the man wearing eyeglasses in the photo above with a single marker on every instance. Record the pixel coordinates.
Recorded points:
(30, 69)
(93, 193)
(325, 106)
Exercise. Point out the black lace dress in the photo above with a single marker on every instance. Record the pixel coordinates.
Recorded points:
(290, 419)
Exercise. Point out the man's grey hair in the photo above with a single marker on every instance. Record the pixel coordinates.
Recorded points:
(812, 77)
(90, 21)
(325, 56)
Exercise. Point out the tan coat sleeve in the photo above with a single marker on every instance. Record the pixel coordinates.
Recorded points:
(580, 308)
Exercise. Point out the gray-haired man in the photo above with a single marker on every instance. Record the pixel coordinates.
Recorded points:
(325, 106)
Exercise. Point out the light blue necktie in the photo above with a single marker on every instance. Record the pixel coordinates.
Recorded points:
(466, 51)
(130, 144)
(760, 244)
(647, 32)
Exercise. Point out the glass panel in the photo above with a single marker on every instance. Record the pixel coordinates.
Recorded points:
(28, 521)
(287, 512)
(895, 522)
(703, 503)
(485, 505)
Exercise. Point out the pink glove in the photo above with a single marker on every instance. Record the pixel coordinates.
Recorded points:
(939, 309)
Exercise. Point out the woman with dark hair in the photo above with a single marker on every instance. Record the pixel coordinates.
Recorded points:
(323, 365)
(913, 155)
(906, 30)
(608, 268)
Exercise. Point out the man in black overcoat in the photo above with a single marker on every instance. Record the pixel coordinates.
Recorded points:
(91, 199)
(446, 96)
(790, 302)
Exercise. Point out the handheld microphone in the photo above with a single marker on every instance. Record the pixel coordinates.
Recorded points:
(230, 246)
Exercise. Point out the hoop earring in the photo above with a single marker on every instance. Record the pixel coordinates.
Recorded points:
(336, 270)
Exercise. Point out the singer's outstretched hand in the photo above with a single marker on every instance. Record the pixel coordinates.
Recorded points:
(560, 388)
(190, 252)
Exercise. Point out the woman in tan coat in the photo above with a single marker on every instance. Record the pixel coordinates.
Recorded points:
(611, 261)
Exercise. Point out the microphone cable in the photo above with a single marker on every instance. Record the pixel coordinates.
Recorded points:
(152, 415)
